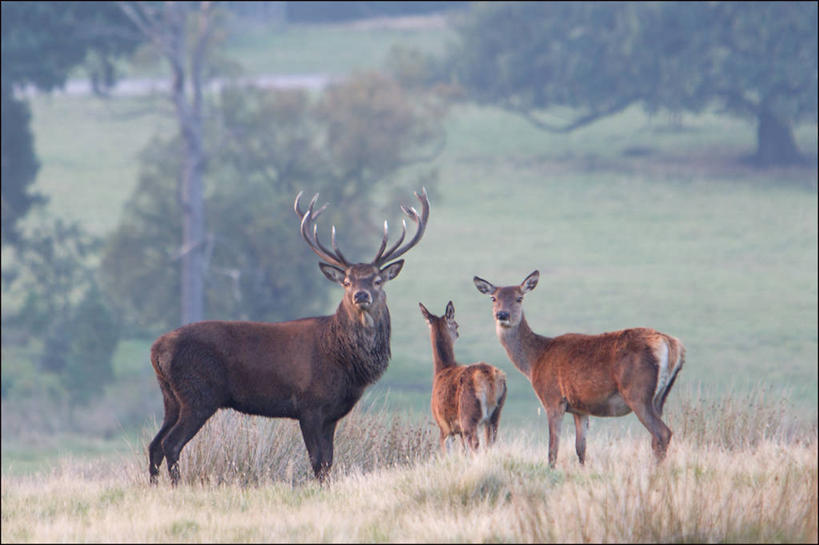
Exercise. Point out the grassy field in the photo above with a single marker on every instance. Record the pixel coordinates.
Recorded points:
(734, 479)
(634, 221)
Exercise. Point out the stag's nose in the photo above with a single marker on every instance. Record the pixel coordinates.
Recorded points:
(361, 297)
(502, 316)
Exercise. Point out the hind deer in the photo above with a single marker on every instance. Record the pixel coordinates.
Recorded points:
(463, 396)
(313, 370)
(610, 374)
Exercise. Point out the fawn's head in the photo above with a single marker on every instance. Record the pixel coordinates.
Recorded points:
(445, 325)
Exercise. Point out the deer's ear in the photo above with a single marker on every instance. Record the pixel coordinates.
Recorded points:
(425, 313)
(333, 273)
(530, 282)
(391, 271)
(483, 286)
(450, 311)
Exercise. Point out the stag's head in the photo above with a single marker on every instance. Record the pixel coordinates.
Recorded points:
(445, 325)
(363, 283)
(507, 301)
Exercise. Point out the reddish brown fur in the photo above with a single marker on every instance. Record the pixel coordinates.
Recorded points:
(610, 374)
(313, 369)
(463, 396)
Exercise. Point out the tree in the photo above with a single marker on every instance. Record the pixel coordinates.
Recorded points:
(753, 59)
(266, 146)
(42, 43)
(184, 32)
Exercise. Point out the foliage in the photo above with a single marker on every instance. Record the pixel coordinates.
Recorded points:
(42, 43)
(19, 165)
(756, 60)
(63, 316)
(267, 145)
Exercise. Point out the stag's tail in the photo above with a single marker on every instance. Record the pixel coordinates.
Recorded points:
(490, 388)
(671, 356)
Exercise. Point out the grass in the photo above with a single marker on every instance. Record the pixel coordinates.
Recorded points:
(396, 487)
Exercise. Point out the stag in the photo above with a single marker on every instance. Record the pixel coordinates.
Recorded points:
(610, 374)
(463, 396)
(313, 370)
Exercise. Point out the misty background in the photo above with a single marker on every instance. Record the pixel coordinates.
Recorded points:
(657, 162)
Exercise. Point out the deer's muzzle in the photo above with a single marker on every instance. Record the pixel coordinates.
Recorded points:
(362, 299)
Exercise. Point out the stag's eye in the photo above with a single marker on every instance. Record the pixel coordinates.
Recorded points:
(377, 281)
(493, 298)
(519, 299)
(347, 283)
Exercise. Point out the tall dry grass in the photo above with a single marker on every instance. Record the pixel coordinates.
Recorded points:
(739, 469)
(246, 450)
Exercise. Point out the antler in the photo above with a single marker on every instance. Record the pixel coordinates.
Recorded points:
(334, 257)
(394, 252)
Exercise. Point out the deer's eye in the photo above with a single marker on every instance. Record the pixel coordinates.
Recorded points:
(493, 298)
(519, 299)
(377, 281)
(347, 283)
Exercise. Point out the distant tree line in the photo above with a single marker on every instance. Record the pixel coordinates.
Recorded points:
(756, 60)
(324, 12)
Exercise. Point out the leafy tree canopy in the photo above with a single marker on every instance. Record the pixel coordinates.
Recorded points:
(42, 43)
(753, 59)
(266, 147)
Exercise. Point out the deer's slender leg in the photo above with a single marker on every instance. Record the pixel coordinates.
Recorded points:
(189, 422)
(660, 433)
(155, 451)
(581, 426)
(555, 417)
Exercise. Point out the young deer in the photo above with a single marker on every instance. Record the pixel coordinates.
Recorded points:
(463, 396)
(610, 374)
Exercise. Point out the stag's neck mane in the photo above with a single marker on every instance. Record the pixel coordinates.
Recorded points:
(443, 352)
(360, 342)
(523, 346)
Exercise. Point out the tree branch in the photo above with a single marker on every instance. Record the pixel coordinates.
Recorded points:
(577, 122)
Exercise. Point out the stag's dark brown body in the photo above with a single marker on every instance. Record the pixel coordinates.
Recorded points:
(313, 370)
(611, 374)
(463, 396)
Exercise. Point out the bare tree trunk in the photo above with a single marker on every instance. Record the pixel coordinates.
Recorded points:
(167, 27)
(775, 142)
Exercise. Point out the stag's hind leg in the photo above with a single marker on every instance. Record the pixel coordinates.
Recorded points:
(155, 451)
(191, 419)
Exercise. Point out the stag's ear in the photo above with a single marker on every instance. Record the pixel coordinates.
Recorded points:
(391, 271)
(530, 282)
(484, 286)
(425, 312)
(333, 273)
(450, 311)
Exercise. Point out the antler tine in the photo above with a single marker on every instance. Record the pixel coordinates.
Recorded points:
(309, 217)
(383, 242)
(420, 219)
(385, 256)
(335, 247)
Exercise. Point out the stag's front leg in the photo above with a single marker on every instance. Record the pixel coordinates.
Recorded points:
(318, 438)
